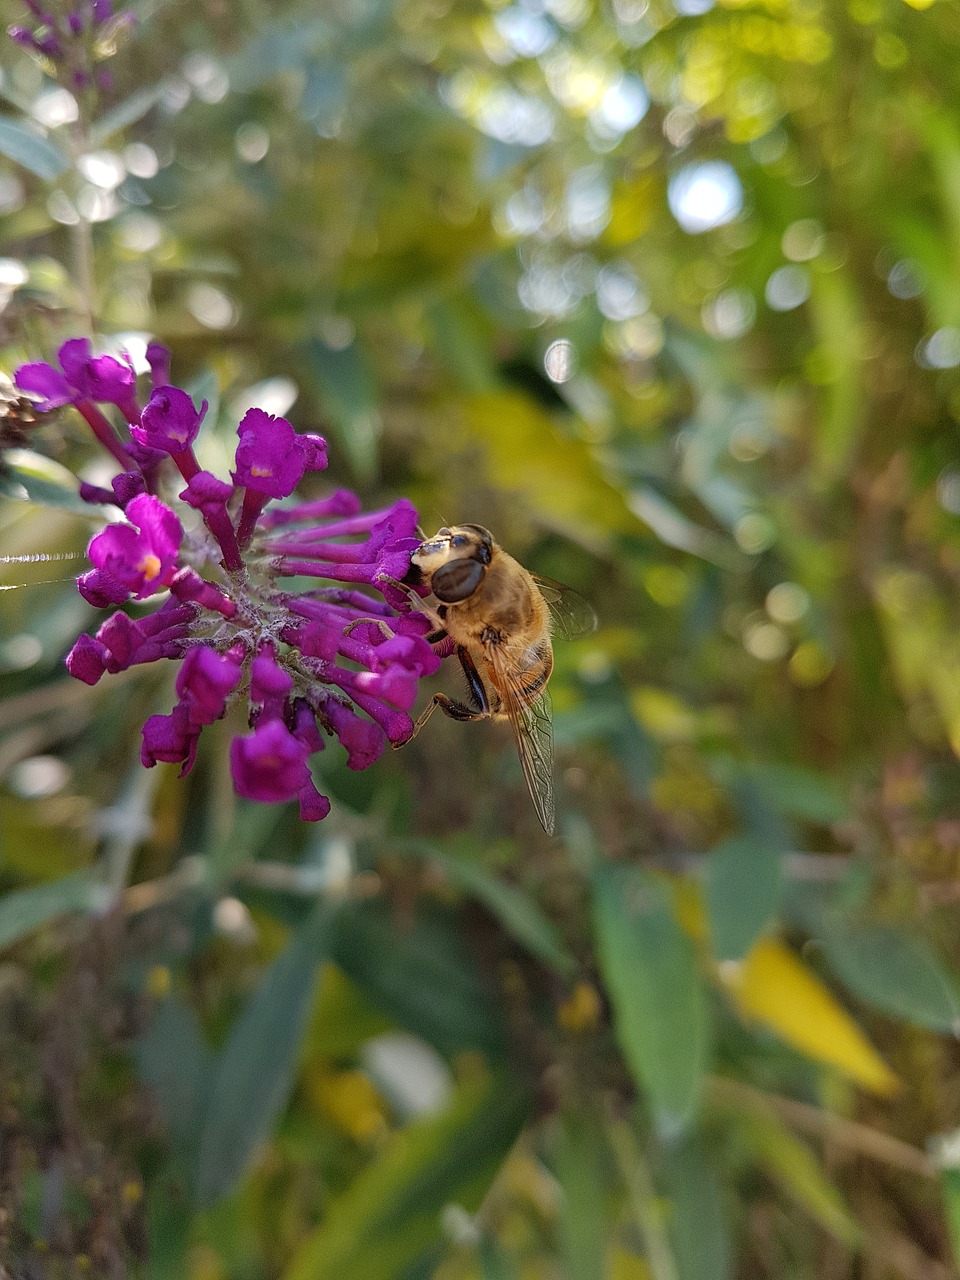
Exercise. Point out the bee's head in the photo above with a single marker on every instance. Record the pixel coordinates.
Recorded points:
(454, 560)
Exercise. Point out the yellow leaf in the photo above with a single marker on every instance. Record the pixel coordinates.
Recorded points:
(774, 987)
(557, 474)
(627, 1266)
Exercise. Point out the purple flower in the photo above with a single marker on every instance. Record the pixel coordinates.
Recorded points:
(363, 739)
(136, 559)
(87, 660)
(269, 764)
(206, 680)
(46, 382)
(341, 656)
(271, 457)
(74, 38)
(101, 379)
(170, 422)
(158, 358)
(170, 739)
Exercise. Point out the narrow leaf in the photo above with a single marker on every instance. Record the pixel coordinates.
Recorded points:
(699, 1231)
(796, 1169)
(391, 1214)
(896, 972)
(32, 477)
(774, 987)
(174, 1060)
(123, 114)
(744, 889)
(254, 1073)
(659, 1005)
(516, 910)
(579, 1168)
(424, 977)
(24, 910)
(29, 149)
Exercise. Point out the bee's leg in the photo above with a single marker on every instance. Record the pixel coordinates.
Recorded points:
(478, 690)
(450, 706)
(379, 623)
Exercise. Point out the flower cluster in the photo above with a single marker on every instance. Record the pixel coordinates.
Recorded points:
(75, 39)
(241, 608)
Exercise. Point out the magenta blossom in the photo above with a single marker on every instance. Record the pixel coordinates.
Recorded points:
(295, 615)
(136, 559)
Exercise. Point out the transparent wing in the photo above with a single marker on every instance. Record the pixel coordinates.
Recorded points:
(572, 615)
(532, 726)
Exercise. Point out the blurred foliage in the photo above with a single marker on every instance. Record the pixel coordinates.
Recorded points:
(668, 296)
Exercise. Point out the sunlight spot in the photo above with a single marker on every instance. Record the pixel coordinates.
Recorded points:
(942, 350)
(55, 107)
(252, 142)
(141, 160)
(619, 295)
(558, 360)
(730, 314)
(103, 169)
(706, 195)
(527, 34)
(211, 306)
(787, 602)
(38, 777)
(787, 288)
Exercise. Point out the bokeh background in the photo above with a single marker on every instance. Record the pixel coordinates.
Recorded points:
(668, 296)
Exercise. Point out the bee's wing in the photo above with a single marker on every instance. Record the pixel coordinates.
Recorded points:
(532, 726)
(572, 615)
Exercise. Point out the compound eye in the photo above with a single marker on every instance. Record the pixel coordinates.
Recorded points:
(456, 580)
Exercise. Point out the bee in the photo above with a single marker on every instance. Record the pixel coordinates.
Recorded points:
(499, 620)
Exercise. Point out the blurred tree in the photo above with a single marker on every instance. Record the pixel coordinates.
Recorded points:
(667, 294)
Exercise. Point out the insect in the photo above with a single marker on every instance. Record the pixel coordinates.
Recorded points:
(500, 618)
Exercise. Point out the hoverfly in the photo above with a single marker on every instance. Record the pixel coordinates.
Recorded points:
(499, 618)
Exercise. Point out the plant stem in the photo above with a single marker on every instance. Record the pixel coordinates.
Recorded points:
(639, 1185)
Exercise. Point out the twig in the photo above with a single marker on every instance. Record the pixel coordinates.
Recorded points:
(856, 1138)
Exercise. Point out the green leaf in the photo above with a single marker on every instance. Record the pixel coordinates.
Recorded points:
(580, 1168)
(605, 714)
(391, 1213)
(516, 910)
(253, 1074)
(168, 1227)
(32, 477)
(744, 889)
(345, 385)
(174, 1060)
(896, 972)
(38, 154)
(950, 1190)
(125, 113)
(800, 793)
(659, 1004)
(697, 1222)
(24, 910)
(423, 976)
(675, 529)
